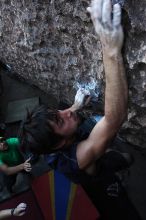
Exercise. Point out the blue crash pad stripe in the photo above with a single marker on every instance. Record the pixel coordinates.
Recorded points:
(62, 194)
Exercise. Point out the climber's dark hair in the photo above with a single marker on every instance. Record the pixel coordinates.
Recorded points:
(36, 134)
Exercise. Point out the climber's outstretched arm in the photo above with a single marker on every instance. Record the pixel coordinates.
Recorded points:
(110, 31)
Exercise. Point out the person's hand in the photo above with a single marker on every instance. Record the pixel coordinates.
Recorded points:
(20, 209)
(107, 26)
(27, 165)
(80, 97)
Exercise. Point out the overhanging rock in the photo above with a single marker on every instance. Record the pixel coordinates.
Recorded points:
(52, 45)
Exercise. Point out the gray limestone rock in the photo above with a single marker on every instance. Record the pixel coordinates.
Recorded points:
(52, 44)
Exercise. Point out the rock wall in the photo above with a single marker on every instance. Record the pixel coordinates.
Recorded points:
(52, 44)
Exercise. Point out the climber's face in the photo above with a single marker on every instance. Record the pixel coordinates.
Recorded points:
(66, 124)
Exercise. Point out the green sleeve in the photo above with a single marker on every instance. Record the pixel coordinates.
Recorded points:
(1, 162)
(13, 142)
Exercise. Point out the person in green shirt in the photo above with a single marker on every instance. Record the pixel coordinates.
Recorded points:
(11, 161)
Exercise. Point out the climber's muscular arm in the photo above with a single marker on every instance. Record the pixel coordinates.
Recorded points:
(111, 37)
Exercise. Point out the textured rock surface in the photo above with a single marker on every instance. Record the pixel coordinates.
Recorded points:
(52, 44)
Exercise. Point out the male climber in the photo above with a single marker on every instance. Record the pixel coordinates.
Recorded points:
(79, 153)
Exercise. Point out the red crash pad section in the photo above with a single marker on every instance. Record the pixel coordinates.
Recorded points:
(41, 189)
(60, 199)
